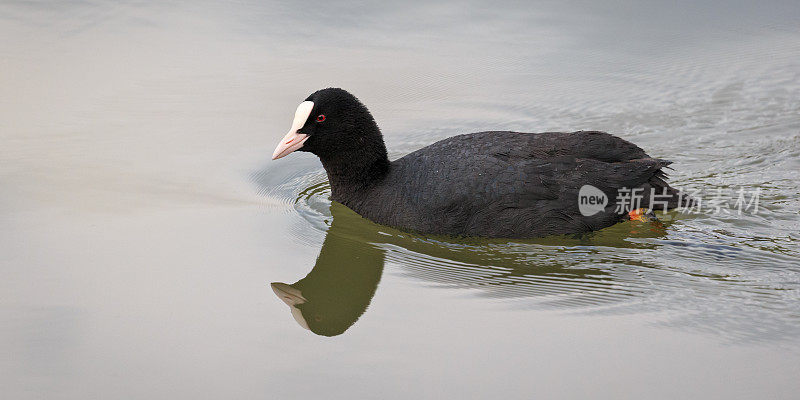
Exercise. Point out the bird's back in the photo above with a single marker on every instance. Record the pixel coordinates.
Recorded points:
(508, 184)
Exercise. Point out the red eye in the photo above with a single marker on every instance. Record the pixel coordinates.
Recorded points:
(320, 117)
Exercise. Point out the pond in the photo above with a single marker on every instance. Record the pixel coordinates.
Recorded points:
(151, 249)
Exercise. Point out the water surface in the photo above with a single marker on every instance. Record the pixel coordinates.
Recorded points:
(142, 222)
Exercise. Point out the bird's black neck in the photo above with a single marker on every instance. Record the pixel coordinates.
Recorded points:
(351, 175)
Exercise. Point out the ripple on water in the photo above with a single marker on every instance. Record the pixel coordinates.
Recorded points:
(704, 278)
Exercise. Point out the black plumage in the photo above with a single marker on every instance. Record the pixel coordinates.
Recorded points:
(491, 184)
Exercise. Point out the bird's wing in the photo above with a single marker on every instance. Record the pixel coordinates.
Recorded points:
(517, 184)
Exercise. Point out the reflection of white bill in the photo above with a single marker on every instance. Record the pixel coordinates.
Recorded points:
(591, 200)
(292, 297)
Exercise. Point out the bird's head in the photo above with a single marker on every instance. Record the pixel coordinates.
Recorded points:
(334, 125)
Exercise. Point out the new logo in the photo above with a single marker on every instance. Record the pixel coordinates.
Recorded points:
(591, 200)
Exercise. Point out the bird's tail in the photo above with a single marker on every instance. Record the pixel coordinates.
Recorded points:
(658, 195)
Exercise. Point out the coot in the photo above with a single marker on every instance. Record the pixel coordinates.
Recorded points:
(490, 184)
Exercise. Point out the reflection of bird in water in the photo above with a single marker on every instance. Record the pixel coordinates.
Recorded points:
(340, 286)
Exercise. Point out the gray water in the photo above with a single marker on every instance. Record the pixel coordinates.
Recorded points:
(142, 221)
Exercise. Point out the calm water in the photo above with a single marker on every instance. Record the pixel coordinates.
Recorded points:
(142, 222)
